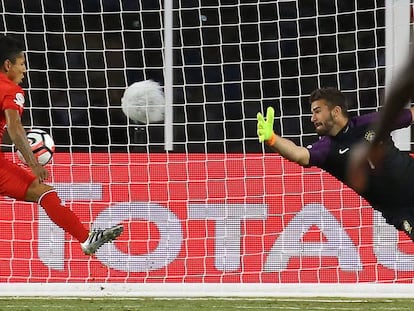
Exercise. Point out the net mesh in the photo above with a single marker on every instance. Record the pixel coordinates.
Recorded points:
(234, 214)
(231, 60)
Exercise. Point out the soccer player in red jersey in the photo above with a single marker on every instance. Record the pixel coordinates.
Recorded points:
(19, 183)
(388, 186)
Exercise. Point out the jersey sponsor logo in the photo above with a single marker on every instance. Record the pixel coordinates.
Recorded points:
(19, 99)
(342, 151)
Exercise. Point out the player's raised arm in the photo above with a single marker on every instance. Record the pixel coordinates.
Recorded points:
(285, 147)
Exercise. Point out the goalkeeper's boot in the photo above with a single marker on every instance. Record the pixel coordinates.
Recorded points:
(99, 237)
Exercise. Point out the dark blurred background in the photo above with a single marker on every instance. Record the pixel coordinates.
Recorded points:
(232, 58)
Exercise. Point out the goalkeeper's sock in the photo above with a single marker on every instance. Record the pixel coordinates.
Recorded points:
(63, 216)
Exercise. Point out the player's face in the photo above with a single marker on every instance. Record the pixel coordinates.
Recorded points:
(322, 117)
(16, 70)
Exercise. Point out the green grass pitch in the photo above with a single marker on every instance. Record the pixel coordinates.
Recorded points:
(202, 304)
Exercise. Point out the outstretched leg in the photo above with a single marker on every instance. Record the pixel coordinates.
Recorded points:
(65, 218)
(62, 216)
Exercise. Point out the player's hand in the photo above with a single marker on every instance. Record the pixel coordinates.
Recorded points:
(265, 127)
(40, 172)
(363, 158)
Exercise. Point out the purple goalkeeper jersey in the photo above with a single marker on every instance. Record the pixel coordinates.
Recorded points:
(390, 186)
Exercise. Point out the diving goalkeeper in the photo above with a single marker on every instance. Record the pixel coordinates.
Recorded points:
(388, 177)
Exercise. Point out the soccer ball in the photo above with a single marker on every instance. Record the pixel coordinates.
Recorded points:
(144, 102)
(42, 145)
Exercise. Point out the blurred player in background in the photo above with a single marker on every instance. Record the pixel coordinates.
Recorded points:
(400, 93)
(359, 151)
(19, 183)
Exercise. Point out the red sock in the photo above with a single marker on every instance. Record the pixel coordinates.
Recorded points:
(63, 216)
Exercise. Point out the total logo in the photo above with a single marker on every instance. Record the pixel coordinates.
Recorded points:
(229, 220)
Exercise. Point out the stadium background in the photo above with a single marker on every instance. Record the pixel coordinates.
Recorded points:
(244, 56)
(235, 205)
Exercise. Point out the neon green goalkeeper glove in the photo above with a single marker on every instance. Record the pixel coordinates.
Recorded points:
(265, 127)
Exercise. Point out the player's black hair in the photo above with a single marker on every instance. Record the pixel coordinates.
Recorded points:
(10, 48)
(333, 97)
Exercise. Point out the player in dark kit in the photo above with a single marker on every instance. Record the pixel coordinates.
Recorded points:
(19, 183)
(387, 186)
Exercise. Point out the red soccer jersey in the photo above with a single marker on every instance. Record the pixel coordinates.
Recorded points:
(11, 97)
(14, 180)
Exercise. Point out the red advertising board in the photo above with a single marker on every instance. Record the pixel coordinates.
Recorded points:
(203, 218)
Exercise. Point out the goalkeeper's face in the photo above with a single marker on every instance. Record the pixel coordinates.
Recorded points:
(322, 118)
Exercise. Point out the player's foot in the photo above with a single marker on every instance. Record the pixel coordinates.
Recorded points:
(99, 237)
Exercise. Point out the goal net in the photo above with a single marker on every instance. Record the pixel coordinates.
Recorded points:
(219, 208)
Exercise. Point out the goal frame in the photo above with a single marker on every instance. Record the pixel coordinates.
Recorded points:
(397, 20)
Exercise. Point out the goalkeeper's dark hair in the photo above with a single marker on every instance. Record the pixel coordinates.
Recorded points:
(333, 98)
(10, 49)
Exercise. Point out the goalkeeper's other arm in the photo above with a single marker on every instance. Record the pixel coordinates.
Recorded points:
(285, 147)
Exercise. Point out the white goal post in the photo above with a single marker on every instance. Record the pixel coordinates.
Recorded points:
(207, 210)
(398, 36)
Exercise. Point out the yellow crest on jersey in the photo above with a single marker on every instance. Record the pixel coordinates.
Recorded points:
(370, 135)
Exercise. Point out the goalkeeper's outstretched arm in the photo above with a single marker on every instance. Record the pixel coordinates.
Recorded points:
(285, 147)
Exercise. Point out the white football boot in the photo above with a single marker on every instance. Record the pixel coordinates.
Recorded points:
(99, 237)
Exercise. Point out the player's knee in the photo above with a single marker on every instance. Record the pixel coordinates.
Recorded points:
(36, 190)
